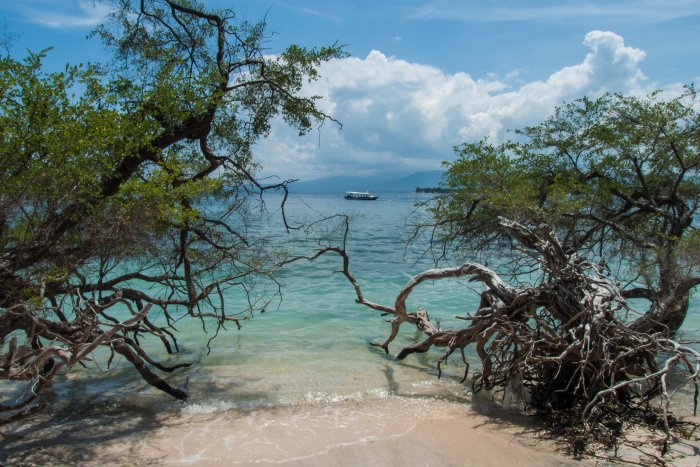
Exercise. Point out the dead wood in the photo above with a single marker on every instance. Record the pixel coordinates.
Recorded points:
(563, 342)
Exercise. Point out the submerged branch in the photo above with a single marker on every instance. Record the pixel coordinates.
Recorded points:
(559, 344)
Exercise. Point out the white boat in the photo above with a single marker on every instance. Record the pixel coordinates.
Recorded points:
(360, 195)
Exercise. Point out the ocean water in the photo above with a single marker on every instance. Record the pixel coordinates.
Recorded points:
(312, 347)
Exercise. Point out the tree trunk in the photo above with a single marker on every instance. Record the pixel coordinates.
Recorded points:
(666, 315)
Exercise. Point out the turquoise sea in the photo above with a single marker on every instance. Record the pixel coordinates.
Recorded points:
(312, 345)
(311, 349)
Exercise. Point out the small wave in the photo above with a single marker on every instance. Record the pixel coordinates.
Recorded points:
(210, 407)
(316, 397)
(223, 406)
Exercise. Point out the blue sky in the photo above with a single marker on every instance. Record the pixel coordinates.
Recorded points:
(426, 75)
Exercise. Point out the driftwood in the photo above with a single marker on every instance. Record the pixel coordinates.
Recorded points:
(563, 343)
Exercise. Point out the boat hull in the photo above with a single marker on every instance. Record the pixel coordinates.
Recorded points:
(362, 198)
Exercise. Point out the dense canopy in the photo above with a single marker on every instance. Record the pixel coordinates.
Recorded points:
(617, 179)
(125, 188)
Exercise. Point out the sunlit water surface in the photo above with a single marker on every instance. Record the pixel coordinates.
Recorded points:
(312, 348)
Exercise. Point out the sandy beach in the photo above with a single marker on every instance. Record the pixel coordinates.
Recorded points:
(384, 433)
(396, 432)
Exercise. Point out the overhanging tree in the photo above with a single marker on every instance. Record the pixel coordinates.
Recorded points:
(563, 227)
(124, 189)
(616, 179)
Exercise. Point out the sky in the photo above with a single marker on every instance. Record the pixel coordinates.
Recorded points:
(425, 75)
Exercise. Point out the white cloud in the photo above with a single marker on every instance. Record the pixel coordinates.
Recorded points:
(401, 116)
(62, 14)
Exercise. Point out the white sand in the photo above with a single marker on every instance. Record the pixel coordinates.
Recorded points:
(315, 436)
(389, 432)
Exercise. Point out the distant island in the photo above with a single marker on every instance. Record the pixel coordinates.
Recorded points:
(432, 190)
(378, 183)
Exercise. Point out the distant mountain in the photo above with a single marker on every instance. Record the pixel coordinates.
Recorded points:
(431, 178)
(375, 183)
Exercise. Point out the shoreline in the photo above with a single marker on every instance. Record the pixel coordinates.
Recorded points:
(397, 430)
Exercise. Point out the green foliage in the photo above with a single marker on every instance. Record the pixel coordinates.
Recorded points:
(615, 177)
(124, 185)
(55, 147)
(591, 208)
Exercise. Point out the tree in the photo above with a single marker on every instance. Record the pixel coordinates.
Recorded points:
(577, 216)
(616, 178)
(124, 189)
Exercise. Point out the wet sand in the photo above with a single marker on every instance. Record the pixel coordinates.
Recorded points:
(396, 432)
(416, 433)
(390, 432)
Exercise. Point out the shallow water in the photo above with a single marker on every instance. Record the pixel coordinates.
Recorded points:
(313, 345)
(312, 349)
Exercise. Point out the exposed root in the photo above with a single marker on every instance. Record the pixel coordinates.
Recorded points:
(562, 341)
